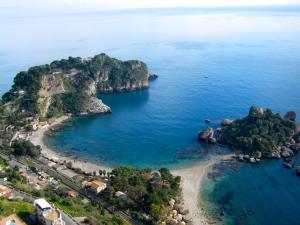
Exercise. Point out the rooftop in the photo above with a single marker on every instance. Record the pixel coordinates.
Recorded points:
(42, 203)
(97, 183)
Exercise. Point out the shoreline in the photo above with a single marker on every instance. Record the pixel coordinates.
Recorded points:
(37, 139)
(193, 178)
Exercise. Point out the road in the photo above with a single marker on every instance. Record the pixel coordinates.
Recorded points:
(66, 218)
(40, 165)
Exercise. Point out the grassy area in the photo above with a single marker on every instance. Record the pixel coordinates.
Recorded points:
(76, 207)
(22, 208)
(2, 165)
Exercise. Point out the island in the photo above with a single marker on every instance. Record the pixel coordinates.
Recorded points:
(261, 134)
(41, 98)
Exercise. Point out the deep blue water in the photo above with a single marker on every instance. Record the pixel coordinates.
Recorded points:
(250, 58)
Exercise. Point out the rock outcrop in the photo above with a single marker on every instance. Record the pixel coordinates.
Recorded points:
(207, 135)
(152, 76)
(260, 134)
(71, 85)
(226, 122)
(96, 106)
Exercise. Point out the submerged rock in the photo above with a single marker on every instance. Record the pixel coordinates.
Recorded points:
(207, 121)
(298, 170)
(288, 164)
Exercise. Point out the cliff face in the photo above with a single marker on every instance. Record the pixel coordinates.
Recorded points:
(71, 85)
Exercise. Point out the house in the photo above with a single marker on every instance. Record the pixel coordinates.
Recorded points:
(97, 186)
(121, 196)
(46, 214)
(72, 194)
(5, 193)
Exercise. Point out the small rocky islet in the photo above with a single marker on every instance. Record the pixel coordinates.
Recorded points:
(261, 134)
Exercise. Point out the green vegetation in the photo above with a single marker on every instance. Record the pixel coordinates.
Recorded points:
(261, 130)
(68, 103)
(147, 192)
(21, 208)
(109, 73)
(77, 206)
(24, 147)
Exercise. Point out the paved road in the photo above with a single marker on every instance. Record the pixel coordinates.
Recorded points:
(70, 183)
(68, 220)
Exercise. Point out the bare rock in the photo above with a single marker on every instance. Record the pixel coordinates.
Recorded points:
(258, 155)
(96, 106)
(252, 160)
(207, 135)
(152, 76)
(226, 122)
(286, 152)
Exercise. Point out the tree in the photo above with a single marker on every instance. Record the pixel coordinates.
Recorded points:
(25, 147)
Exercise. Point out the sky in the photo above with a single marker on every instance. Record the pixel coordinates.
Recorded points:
(132, 4)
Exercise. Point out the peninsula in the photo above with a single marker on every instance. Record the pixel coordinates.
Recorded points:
(45, 96)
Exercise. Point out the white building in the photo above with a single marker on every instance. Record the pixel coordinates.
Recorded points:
(46, 214)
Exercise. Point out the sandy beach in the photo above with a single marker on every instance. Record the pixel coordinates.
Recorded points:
(37, 139)
(192, 176)
(192, 182)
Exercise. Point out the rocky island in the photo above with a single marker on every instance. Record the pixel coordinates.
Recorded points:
(261, 133)
(70, 85)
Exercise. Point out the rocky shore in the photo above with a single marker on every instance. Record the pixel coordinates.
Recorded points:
(261, 134)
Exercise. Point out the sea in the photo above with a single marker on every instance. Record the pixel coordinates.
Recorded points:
(212, 63)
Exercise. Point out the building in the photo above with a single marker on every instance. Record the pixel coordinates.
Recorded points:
(72, 194)
(97, 186)
(5, 192)
(121, 196)
(46, 214)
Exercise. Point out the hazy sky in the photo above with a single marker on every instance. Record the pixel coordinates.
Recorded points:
(127, 4)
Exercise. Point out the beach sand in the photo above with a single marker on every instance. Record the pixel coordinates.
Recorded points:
(192, 182)
(192, 176)
(37, 139)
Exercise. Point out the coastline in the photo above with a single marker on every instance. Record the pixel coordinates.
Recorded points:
(193, 178)
(37, 139)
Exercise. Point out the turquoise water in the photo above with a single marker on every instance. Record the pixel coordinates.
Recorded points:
(249, 58)
(265, 193)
